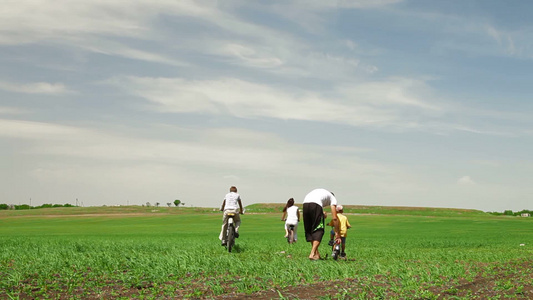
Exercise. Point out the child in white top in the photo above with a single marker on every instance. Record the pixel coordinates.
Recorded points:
(291, 216)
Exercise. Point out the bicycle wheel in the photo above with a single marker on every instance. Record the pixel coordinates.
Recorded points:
(291, 236)
(231, 237)
(336, 251)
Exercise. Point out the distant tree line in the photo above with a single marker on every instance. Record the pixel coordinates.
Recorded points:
(176, 203)
(4, 206)
(511, 213)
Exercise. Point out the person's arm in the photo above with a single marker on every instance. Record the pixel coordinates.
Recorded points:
(283, 216)
(335, 221)
(240, 206)
(298, 213)
(223, 205)
(348, 224)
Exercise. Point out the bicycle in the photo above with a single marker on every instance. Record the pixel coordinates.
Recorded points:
(230, 233)
(290, 235)
(336, 251)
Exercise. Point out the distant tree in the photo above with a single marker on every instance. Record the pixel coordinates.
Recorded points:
(157, 204)
(169, 204)
(68, 205)
(148, 204)
(177, 202)
(508, 213)
(23, 206)
(525, 211)
(4, 206)
(182, 203)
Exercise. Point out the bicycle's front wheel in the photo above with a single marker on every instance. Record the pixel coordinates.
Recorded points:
(336, 252)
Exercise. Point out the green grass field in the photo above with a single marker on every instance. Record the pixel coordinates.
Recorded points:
(134, 252)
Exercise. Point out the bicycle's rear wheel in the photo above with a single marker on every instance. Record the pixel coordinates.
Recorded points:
(231, 237)
(291, 236)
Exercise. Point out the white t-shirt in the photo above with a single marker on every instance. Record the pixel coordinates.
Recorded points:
(232, 201)
(292, 215)
(321, 197)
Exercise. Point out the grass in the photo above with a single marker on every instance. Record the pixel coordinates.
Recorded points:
(176, 253)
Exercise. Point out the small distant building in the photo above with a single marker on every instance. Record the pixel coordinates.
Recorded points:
(525, 215)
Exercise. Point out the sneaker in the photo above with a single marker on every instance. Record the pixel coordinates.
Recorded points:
(236, 234)
(331, 243)
(343, 254)
(223, 244)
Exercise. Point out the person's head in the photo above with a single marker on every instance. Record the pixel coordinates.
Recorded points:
(340, 209)
(290, 203)
(233, 189)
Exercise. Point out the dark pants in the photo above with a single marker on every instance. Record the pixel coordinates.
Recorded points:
(313, 222)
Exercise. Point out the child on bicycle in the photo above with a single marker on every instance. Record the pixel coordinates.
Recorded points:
(344, 225)
(291, 216)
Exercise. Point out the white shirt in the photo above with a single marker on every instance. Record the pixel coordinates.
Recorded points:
(321, 197)
(292, 215)
(232, 201)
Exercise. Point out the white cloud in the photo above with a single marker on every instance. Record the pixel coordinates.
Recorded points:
(504, 39)
(35, 88)
(367, 104)
(95, 24)
(11, 110)
(251, 56)
(394, 103)
(393, 91)
(488, 163)
(318, 4)
(108, 167)
(32, 21)
(211, 149)
(106, 47)
(466, 180)
(231, 177)
(28, 130)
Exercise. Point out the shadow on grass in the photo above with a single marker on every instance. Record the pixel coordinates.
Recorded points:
(236, 249)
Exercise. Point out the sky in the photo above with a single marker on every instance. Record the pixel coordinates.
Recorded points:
(384, 102)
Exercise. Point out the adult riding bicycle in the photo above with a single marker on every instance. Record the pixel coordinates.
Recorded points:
(232, 208)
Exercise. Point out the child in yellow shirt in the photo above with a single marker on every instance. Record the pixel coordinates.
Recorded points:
(344, 225)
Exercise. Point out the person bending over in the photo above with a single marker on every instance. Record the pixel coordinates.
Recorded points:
(313, 214)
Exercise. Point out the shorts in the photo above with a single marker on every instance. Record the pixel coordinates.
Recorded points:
(313, 215)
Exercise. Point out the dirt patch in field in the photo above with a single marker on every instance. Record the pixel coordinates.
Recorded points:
(510, 280)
